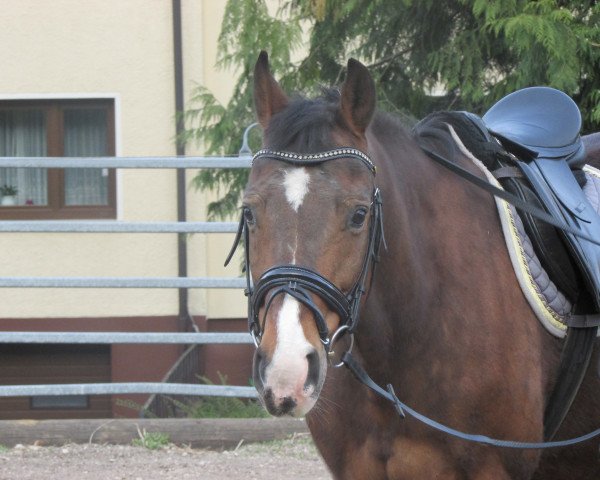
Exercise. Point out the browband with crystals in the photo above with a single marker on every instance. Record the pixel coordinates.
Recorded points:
(315, 158)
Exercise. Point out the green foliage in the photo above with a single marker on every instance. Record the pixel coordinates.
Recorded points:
(8, 190)
(219, 128)
(221, 407)
(136, 407)
(225, 407)
(424, 55)
(151, 440)
(4, 448)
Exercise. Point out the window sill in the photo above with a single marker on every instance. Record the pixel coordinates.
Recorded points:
(32, 212)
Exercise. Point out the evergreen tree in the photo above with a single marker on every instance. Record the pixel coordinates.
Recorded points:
(473, 51)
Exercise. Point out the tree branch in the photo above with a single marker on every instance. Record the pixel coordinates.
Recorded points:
(390, 58)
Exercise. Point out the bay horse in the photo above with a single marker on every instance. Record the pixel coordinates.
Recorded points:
(442, 318)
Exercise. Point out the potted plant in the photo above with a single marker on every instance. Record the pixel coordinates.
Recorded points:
(9, 194)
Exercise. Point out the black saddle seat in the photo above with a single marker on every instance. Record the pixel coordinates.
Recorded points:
(544, 120)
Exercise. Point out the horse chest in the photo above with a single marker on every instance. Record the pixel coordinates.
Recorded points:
(377, 448)
(400, 459)
(416, 459)
(419, 459)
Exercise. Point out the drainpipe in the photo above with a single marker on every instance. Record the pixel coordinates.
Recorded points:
(185, 319)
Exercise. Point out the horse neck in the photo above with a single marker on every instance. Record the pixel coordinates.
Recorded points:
(425, 249)
(414, 213)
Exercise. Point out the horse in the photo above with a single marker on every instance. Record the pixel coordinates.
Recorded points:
(441, 318)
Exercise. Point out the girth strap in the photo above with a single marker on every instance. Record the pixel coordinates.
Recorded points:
(583, 321)
(575, 359)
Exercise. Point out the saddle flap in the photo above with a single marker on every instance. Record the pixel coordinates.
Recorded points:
(541, 119)
(566, 189)
(562, 197)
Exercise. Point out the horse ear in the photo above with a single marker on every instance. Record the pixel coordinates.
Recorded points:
(269, 98)
(358, 97)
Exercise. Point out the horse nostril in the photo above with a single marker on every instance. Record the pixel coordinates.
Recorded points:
(258, 368)
(312, 378)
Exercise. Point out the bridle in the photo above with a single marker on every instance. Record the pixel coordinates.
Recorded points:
(303, 283)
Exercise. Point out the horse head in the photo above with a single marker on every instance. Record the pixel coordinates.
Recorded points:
(310, 211)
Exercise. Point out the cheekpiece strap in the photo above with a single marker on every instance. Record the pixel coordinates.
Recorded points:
(316, 158)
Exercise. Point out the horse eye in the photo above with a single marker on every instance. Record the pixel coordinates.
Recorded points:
(249, 216)
(358, 217)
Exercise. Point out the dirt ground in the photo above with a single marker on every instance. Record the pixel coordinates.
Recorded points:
(285, 459)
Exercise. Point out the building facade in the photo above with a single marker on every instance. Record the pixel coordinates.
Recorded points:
(98, 79)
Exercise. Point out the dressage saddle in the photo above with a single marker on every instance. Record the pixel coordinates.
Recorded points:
(531, 143)
(539, 129)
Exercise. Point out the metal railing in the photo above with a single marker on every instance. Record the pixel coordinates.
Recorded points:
(126, 162)
(185, 370)
(105, 226)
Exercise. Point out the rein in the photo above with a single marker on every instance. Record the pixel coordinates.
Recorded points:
(301, 282)
(403, 409)
(508, 197)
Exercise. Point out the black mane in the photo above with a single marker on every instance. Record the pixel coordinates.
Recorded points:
(304, 126)
(433, 132)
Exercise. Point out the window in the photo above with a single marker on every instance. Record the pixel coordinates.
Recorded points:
(66, 128)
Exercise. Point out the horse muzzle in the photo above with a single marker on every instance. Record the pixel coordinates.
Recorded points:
(290, 385)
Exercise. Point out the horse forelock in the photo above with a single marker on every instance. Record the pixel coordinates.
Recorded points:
(305, 125)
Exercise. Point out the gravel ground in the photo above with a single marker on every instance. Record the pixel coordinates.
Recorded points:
(294, 459)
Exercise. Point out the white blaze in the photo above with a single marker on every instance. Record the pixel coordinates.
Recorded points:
(296, 186)
(289, 364)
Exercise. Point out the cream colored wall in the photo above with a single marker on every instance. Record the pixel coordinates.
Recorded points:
(220, 303)
(223, 303)
(121, 49)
